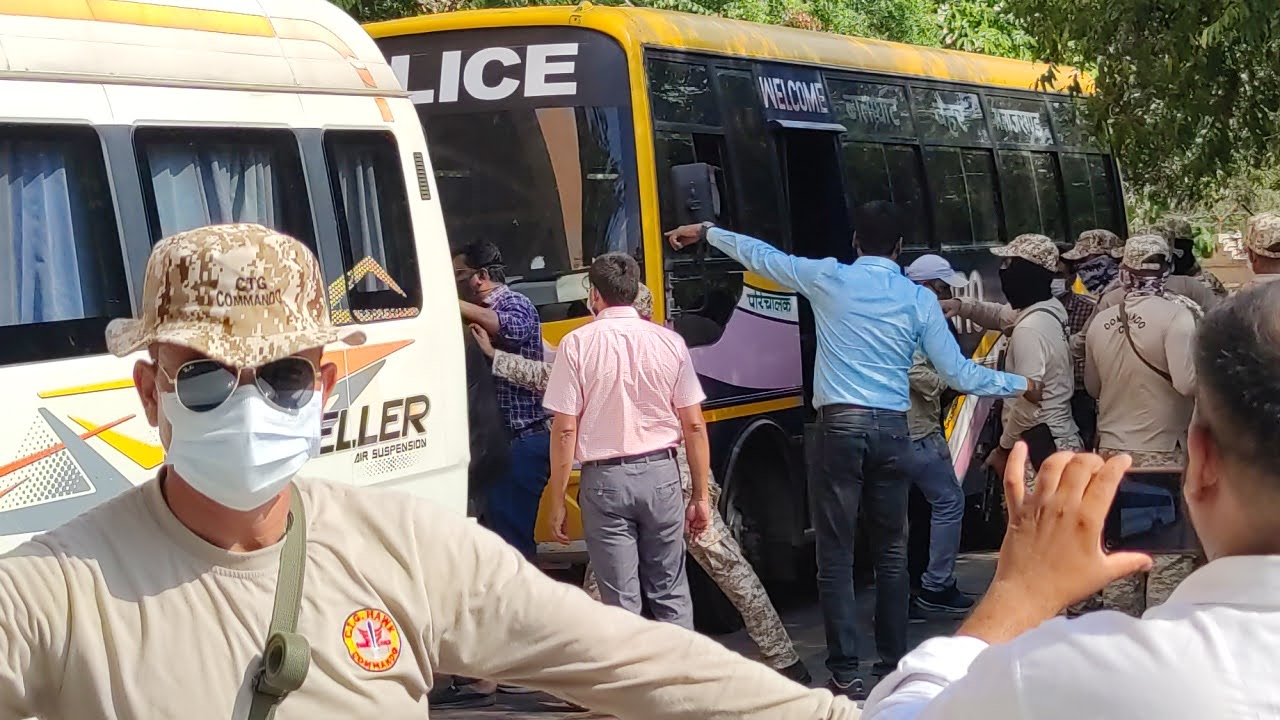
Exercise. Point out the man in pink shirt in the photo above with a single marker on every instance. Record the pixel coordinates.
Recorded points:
(623, 391)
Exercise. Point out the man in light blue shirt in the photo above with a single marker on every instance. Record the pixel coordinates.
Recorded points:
(870, 321)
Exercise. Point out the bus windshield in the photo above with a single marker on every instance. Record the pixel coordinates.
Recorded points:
(528, 151)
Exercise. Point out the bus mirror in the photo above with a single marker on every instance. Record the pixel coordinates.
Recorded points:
(697, 193)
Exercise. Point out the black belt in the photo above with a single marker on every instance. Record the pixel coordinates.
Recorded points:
(664, 454)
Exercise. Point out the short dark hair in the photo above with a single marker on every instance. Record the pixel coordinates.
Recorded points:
(483, 255)
(1237, 357)
(878, 226)
(616, 278)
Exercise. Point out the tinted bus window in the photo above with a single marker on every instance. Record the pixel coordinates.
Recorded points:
(681, 93)
(872, 110)
(63, 267)
(1071, 126)
(196, 177)
(946, 116)
(875, 171)
(753, 175)
(546, 168)
(1022, 122)
(1032, 200)
(378, 252)
(1091, 192)
(963, 186)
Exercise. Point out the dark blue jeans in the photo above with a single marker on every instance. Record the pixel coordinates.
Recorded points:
(853, 459)
(930, 468)
(511, 507)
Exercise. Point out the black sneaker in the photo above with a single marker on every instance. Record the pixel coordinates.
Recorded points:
(855, 690)
(950, 601)
(797, 672)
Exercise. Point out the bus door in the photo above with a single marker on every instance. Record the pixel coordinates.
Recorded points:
(818, 219)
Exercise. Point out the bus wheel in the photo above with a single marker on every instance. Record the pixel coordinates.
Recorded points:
(759, 508)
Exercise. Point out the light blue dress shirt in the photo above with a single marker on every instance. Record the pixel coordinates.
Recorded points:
(870, 320)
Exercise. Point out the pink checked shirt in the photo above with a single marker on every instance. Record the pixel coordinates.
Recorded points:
(623, 377)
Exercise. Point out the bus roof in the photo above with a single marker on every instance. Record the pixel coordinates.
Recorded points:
(272, 45)
(683, 31)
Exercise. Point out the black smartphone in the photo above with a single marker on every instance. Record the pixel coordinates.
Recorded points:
(1149, 515)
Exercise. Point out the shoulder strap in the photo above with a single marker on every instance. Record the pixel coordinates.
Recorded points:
(1047, 311)
(287, 656)
(1124, 323)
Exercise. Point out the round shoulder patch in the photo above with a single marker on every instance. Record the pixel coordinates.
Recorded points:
(372, 639)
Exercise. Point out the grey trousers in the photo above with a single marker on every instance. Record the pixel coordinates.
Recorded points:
(633, 517)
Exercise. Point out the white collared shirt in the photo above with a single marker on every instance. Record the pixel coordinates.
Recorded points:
(1211, 651)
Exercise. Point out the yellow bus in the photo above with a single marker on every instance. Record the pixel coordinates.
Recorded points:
(564, 132)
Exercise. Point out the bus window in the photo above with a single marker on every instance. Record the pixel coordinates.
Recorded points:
(753, 172)
(962, 183)
(870, 110)
(552, 186)
(195, 177)
(681, 93)
(1091, 191)
(1020, 122)
(877, 171)
(1071, 125)
(1031, 199)
(378, 251)
(946, 116)
(62, 258)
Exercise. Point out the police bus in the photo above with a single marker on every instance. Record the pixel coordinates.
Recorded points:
(561, 133)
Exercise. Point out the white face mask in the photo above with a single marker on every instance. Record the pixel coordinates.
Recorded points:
(243, 452)
(1058, 286)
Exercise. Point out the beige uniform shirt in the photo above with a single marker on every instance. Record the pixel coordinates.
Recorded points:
(1188, 287)
(1038, 349)
(1138, 410)
(124, 613)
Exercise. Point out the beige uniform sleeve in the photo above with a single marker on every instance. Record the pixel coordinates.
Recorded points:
(34, 616)
(1179, 353)
(1193, 289)
(495, 616)
(988, 315)
(1092, 380)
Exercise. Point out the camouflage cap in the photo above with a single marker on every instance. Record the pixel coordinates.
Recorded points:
(644, 303)
(243, 295)
(1141, 247)
(1032, 248)
(1093, 242)
(1262, 235)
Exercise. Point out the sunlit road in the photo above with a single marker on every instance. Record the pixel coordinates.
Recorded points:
(805, 626)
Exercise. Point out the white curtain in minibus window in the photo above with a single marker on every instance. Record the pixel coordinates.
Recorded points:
(212, 185)
(361, 195)
(49, 264)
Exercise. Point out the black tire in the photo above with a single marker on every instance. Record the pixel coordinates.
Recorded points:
(713, 614)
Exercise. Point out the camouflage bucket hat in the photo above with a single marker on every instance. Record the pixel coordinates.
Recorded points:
(1032, 248)
(1177, 228)
(243, 295)
(1093, 242)
(1141, 247)
(1262, 235)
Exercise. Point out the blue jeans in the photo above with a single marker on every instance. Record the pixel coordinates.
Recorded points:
(853, 457)
(511, 507)
(930, 468)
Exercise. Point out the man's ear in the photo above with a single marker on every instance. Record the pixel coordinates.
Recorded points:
(1204, 463)
(897, 249)
(329, 380)
(144, 381)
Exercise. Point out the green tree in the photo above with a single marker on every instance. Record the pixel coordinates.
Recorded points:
(983, 26)
(1188, 89)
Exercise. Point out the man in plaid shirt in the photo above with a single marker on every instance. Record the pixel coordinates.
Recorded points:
(511, 321)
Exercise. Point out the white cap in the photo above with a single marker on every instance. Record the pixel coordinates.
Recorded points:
(934, 267)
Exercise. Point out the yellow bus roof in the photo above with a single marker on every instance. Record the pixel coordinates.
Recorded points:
(705, 33)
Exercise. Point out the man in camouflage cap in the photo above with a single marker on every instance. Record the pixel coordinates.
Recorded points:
(1091, 259)
(715, 550)
(1262, 241)
(1181, 236)
(181, 573)
(1140, 366)
(1037, 347)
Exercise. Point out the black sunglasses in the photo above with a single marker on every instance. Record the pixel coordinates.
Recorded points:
(203, 385)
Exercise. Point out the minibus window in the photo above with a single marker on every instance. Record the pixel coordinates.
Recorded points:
(380, 258)
(59, 243)
(197, 177)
